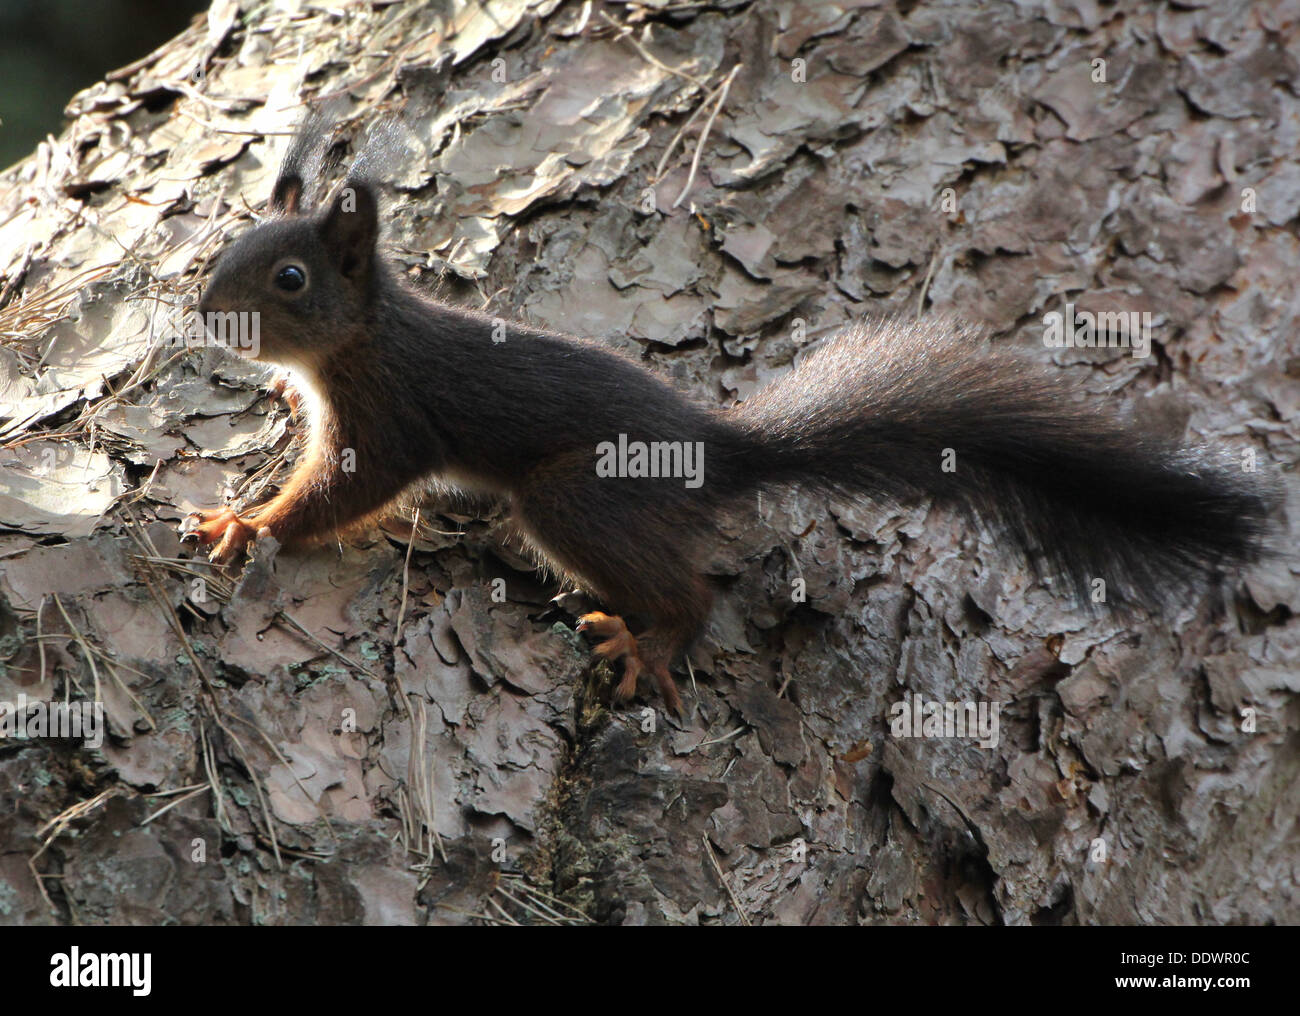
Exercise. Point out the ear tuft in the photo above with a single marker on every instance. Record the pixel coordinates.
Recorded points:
(303, 163)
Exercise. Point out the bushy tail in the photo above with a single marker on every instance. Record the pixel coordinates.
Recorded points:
(898, 411)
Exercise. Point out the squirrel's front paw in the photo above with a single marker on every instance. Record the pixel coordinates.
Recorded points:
(221, 529)
(282, 388)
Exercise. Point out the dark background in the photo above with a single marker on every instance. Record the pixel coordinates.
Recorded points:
(51, 49)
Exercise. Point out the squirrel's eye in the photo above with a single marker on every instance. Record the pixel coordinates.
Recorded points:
(291, 278)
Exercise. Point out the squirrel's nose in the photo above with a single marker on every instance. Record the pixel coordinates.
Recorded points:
(206, 301)
(211, 298)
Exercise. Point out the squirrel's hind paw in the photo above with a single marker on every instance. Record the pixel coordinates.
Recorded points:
(618, 643)
(221, 529)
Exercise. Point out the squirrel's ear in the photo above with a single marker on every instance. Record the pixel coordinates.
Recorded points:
(350, 228)
(286, 196)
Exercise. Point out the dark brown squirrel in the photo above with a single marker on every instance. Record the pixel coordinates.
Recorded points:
(896, 411)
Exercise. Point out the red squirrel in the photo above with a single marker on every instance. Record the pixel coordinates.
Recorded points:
(413, 389)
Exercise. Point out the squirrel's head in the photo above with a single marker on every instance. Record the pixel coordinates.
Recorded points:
(307, 274)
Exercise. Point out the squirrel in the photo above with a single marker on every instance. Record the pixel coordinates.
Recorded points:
(894, 411)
